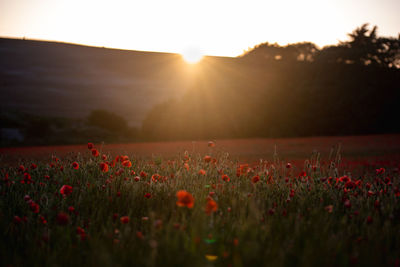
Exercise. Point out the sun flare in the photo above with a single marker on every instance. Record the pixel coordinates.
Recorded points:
(192, 56)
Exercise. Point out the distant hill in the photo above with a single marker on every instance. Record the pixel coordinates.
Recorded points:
(67, 80)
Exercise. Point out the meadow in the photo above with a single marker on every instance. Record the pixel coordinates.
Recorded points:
(202, 206)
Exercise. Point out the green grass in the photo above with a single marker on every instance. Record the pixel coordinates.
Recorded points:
(282, 220)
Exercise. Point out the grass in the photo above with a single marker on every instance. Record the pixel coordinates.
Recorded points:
(294, 215)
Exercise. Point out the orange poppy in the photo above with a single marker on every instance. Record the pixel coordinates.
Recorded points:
(211, 206)
(184, 199)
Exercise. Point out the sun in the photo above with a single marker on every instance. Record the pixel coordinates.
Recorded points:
(192, 56)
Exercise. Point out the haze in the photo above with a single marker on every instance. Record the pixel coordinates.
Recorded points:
(222, 28)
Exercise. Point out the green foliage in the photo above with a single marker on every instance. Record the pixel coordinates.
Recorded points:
(286, 218)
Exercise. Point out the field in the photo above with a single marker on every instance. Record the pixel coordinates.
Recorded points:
(323, 201)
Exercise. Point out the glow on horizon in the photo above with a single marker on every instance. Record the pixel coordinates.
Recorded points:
(221, 28)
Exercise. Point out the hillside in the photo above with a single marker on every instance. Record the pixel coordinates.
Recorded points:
(66, 80)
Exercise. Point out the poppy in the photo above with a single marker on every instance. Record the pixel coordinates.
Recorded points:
(17, 220)
(127, 163)
(211, 144)
(207, 159)
(124, 219)
(75, 165)
(95, 152)
(225, 178)
(184, 199)
(147, 195)
(90, 146)
(202, 172)
(211, 206)
(104, 167)
(255, 179)
(66, 190)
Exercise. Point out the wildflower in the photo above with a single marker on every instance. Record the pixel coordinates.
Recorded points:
(211, 206)
(147, 195)
(62, 218)
(202, 172)
(66, 190)
(288, 165)
(184, 199)
(124, 219)
(255, 179)
(347, 203)
(104, 167)
(207, 159)
(34, 207)
(137, 178)
(211, 144)
(43, 220)
(127, 163)
(95, 152)
(143, 174)
(225, 178)
(103, 157)
(75, 165)
(21, 168)
(33, 166)
(17, 220)
(71, 209)
(90, 146)
(369, 220)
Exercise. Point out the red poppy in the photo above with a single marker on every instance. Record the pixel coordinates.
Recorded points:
(202, 172)
(143, 174)
(75, 165)
(62, 218)
(127, 163)
(17, 220)
(95, 152)
(211, 206)
(104, 167)
(104, 157)
(66, 190)
(185, 199)
(147, 195)
(90, 146)
(71, 209)
(124, 219)
(347, 203)
(33, 166)
(225, 178)
(211, 144)
(255, 179)
(34, 207)
(207, 159)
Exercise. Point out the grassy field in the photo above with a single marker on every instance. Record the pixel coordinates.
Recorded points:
(224, 203)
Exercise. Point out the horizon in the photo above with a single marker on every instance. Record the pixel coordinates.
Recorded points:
(225, 28)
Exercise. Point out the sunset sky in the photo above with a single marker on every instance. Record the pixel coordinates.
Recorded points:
(217, 27)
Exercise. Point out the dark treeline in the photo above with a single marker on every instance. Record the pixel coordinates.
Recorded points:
(287, 91)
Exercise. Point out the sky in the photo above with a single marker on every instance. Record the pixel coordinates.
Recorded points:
(209, 27)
